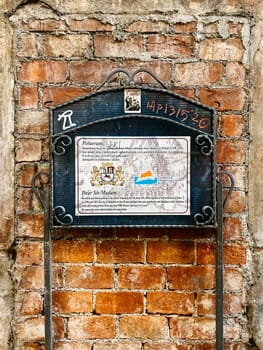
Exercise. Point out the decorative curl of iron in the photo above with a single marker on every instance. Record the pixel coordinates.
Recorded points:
(206, 144)
(38, 182)
(206, 217)
(232, 184)
(61, 217)
(59, 144)
(129, 77)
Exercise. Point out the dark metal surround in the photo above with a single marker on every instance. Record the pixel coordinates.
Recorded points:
(162, 114)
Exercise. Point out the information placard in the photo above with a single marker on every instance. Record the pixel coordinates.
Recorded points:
(133, 156)
(132, 175)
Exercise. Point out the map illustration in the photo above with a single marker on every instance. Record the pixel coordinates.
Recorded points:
(132, 175)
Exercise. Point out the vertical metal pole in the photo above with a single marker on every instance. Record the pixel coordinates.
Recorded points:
(48, 275)
(43, 196)
(219, 271)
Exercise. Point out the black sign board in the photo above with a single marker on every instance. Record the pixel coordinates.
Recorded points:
(133, 156)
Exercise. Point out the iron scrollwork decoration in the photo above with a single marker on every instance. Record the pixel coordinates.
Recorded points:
(206, 217)
(61, 217)
(206, 144)
(231, 187)
(38, 183)
(59, 144)
(129, 77)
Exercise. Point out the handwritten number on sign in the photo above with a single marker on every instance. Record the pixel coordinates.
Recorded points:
(67, 122)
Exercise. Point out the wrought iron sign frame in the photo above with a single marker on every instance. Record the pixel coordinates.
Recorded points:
(190, 126)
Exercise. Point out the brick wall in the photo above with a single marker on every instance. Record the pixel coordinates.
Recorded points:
(132, 289)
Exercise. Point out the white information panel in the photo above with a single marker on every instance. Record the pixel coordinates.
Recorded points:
(132, 175)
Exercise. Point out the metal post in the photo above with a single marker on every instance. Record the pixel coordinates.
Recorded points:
(221, 203)
(43, 197)
(219, 271)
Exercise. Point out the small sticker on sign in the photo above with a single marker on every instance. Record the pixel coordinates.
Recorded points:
(132, 101)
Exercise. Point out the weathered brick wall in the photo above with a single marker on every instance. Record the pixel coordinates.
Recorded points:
(139, 289)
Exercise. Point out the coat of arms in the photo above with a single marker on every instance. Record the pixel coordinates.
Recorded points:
(107, 174)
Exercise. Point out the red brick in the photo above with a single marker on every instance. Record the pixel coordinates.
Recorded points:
(120, 251)
(28, 45)
(119, 302)
(57, 276)
(89, 25)
(220, 49)
(170, 303)
(30, 253)
(28, 97)
(206, 304)
(31, 329)
(148, 27)
(223, 99)
(234, 303)
(71, 346)
(232, 228)
(43, 72)
(46, 147)
(33, 278)
(58, 327)
(32, 304)
(44, 25)
(162, 70)
(235, 254)
(92, 72)
(66, 45)
(210, 28)
(191, 278)
(204, 73)
(67, 251)
(232, 125)
(106, 46)
(28, 150)
(32, 122)
(169, 252)
(167, 346)
(192, 328)
(188, 27)
(56, 95)
(236, 203)
(92, 277)
(235, 74)
(233, 329)
(235, 28)
(170, 45)
(190, 93)
(141, 277)
(233, 280)
(30, 225)
(119, 345)
(71, 302)
(92, 327)
(239, 174)
(26, 171)
(144, 327)
(206, 253)
(26, 201)
(231, 151)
